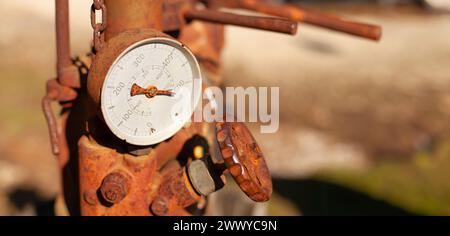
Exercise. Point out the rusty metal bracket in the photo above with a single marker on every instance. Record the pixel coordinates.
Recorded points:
(55, 92)
(63, 88)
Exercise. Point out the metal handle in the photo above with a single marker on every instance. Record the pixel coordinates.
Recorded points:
(62, 35)
(264, 23)
(328, 21)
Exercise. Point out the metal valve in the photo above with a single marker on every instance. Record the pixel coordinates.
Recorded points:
(242, 158)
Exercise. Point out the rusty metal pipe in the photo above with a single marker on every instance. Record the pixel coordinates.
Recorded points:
(328, 21)
(62, 36)
(262, 23)
(125, 15)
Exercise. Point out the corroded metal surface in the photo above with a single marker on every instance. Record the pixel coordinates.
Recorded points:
(206, 41)
(113, 183)
(149, 92)
(100, 175)
(115, 187)
(173, 19)
(125, 15)
(263, 23)
(99, 27)
(317, 18)
(175, 193)
(301, 14)
(68, 78)
(56, 92)
(244, 160)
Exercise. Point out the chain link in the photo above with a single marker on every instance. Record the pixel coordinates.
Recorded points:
(99, 28)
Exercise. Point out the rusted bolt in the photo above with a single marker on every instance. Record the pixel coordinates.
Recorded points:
(160, 206)
(115, 187)
(90, 196)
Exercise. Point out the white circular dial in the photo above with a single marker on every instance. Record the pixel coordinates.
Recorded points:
(151, 91)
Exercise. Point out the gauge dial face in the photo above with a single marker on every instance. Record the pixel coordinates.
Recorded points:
(151, 91)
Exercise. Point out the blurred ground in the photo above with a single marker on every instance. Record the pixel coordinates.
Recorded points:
(370, 118)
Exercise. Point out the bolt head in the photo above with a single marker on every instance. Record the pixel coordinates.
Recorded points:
(114, 187)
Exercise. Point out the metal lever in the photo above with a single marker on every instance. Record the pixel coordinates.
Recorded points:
(317, 18)
(308, 16)
(263, 23)
(60, 89)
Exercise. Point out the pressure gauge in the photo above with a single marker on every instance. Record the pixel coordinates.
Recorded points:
(150, 89)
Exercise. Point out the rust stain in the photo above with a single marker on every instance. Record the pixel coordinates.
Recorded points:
(95, 165)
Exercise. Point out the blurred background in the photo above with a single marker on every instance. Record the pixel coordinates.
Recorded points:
(364, 125)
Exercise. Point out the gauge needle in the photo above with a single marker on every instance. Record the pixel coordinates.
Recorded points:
(149, 92)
